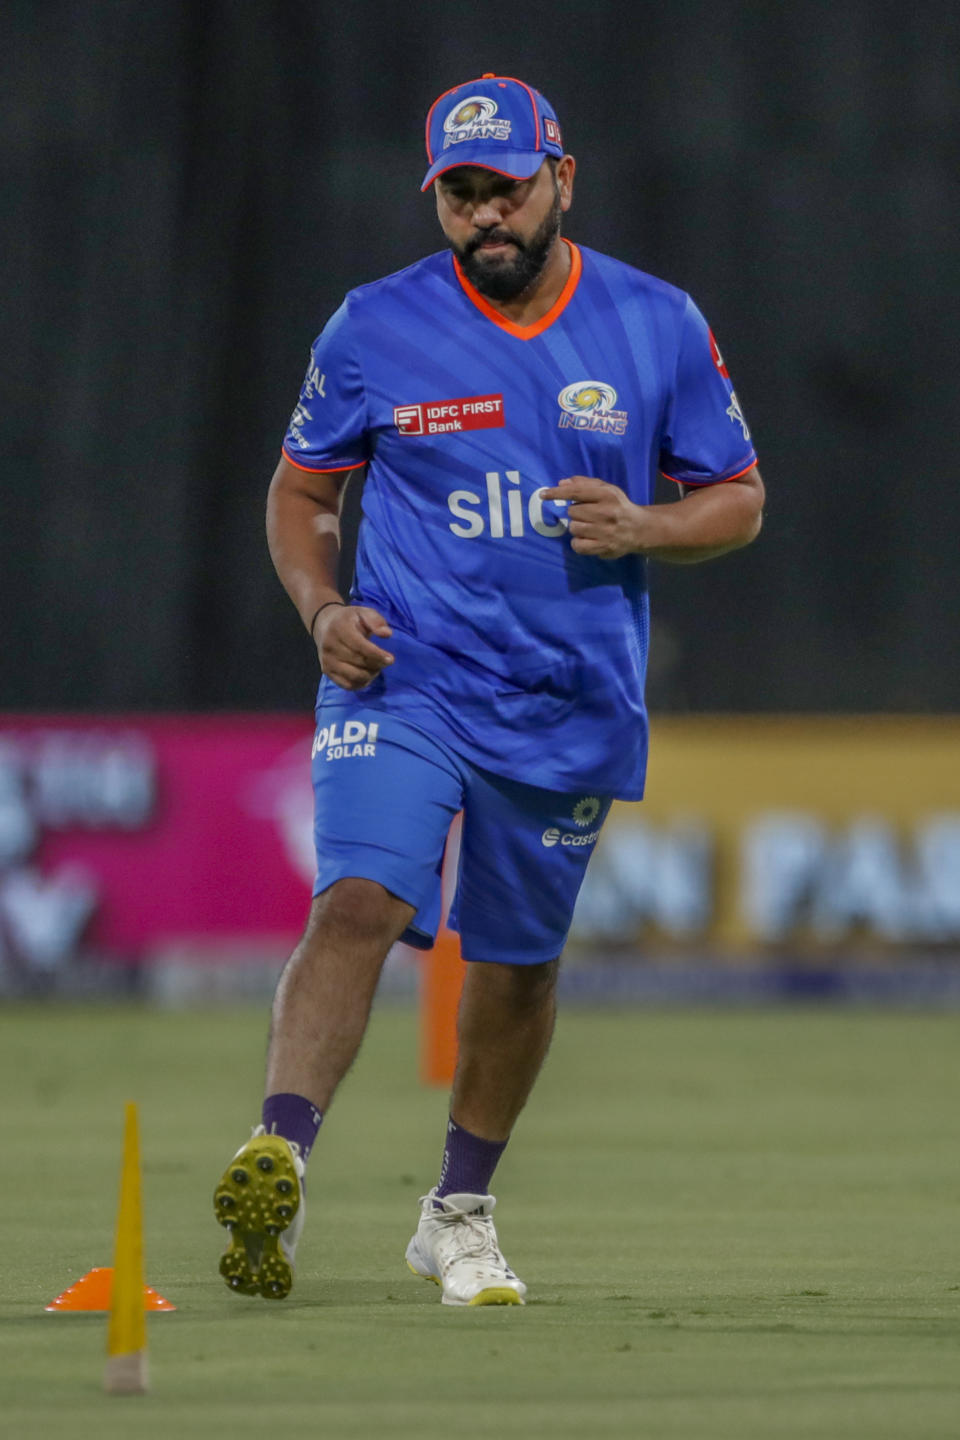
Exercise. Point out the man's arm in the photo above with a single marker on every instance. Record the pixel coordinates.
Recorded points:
(707, 522)
(303, 533)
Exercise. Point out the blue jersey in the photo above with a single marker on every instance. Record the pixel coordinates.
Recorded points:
(521, 655)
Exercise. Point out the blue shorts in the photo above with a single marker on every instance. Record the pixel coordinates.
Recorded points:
(385, 794)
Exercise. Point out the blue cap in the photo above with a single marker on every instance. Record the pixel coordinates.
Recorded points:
(496, 122)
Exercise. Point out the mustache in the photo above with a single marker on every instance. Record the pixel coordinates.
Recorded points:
(504, 237)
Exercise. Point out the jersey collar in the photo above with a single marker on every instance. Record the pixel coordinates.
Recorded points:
(527, 332)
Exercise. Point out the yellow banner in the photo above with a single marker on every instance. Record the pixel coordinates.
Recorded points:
(762, 831)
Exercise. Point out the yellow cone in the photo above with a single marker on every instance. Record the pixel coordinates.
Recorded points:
(126, 1372)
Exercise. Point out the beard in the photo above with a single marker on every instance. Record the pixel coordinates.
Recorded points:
(500, 279)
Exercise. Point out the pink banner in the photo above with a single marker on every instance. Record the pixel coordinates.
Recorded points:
(126, 835)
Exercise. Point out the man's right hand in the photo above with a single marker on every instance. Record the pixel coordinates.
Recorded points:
(347, 654)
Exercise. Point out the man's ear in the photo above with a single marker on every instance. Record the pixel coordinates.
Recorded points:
(565, 173)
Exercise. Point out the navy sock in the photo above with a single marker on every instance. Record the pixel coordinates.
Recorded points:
(294, 1117)
(468, 1162)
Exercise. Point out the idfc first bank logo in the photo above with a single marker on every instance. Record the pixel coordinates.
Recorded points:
(437, 417)
(591, 405)
(474, 119)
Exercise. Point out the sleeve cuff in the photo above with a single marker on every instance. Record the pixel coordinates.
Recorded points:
(721, 479)
(322, 468)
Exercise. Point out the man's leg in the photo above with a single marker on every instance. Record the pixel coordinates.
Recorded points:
(506, 1020)
(323, 1000)
(320, 1014)
(524, 853)
(384, 796)
(507, 1014)
(505, 1024)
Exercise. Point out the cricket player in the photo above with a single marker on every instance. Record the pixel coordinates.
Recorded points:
(512, 399)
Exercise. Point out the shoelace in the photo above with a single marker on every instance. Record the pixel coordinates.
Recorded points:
(480, 1241)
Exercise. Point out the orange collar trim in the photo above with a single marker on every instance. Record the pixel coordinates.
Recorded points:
(527, 332)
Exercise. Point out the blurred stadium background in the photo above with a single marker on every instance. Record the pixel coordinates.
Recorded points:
(189, 191)
(737, 1221)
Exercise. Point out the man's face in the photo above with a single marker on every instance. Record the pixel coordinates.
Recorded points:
(502, 230)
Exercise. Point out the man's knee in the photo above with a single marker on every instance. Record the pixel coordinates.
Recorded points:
(361, 909)
(522, 987)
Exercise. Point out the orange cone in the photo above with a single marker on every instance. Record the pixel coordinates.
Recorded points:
(441, 980)
(92, 1292)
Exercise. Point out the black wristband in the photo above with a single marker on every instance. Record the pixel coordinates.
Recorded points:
(324, 606)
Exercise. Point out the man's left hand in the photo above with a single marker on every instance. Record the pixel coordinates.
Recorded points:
(602, 520)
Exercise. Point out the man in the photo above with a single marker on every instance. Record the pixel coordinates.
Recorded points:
(512, 403)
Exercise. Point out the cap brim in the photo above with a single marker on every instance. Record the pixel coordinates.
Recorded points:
(518, 164)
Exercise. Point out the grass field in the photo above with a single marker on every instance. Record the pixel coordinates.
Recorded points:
(732, 1225)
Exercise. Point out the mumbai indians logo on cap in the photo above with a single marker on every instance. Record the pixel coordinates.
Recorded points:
(590, 405)
(473, 119)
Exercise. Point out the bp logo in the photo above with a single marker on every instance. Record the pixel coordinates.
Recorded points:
(584, 815)
(474, 119)
(591, 405)
(586, 811)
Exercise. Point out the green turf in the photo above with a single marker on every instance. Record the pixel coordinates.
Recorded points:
(732, 1225)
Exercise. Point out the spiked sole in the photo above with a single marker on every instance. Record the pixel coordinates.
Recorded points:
(256, 1200)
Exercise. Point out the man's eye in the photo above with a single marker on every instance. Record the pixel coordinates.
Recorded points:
(462, 196)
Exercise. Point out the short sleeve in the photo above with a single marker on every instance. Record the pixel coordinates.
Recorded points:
(705, 438)
(327, 430)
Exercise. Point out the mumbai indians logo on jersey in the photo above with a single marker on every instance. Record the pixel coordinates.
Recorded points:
(473, 119)
(590, 405)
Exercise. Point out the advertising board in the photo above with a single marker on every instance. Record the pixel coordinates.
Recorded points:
(128, 838)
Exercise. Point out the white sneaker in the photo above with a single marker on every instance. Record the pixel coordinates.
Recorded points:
(260, 1200)
(456, 1246)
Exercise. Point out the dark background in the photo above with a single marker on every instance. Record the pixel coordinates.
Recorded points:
(188, 189)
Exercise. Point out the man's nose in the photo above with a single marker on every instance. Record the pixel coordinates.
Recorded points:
(487, 213)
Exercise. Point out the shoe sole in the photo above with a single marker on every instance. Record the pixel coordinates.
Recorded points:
(256, 1200)
(496, 1295)
(493, 1295)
